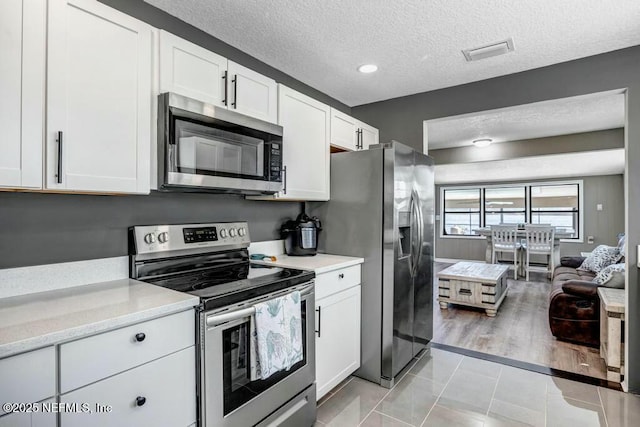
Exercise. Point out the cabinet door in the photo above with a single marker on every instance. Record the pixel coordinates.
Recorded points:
(338, 340)
(252, 93)
(191, 70)
(305, 146)
(368, 136)
(22, 76)
(344, 132)
(159, 393)
(99, 99)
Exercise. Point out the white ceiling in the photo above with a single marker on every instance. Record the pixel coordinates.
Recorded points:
(605, 110)
(589, 163)
(415, 43)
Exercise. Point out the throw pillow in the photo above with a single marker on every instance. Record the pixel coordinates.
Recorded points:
(601, 257)
(622, 240)
(611, 276)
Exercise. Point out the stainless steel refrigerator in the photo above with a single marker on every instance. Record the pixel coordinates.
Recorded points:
(382, 208)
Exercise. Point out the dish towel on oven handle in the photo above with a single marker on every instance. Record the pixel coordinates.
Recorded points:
(276, 336)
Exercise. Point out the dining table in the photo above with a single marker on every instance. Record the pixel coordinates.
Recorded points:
(559, 234)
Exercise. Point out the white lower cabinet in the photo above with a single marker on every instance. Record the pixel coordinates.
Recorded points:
(159, 393)
(337, 327)
(34, 419)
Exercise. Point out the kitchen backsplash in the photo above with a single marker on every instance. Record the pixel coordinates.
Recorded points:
(52, 228)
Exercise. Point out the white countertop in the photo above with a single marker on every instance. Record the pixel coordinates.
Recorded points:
(319, 263)
(32, 321)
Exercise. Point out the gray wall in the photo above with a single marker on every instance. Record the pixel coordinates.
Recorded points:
(587, 141)
(402, 118)
(48, 228)
(160, 19)
(603, 225)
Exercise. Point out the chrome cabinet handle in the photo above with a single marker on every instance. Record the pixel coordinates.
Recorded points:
(59, 172)
(234, 104)
(226, 88)
(341, 276)
(319, 311)
(361, 144)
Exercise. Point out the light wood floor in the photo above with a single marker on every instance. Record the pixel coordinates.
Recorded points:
(520, 330)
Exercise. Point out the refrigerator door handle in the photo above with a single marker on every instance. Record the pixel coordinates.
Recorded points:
(419, 211)
(414, 232)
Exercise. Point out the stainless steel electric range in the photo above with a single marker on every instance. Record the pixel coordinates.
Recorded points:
(212, 262)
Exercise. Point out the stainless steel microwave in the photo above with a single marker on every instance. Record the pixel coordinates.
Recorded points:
(202, 147)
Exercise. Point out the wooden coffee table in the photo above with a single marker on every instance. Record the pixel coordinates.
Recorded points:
(473, 284)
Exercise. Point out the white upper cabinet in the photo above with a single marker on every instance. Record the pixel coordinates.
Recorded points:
(193, 71)
(99, 99)
(305, 145)
(22, 77)
(252, 94)
(368, 135)
(344, 130)
(349, 133)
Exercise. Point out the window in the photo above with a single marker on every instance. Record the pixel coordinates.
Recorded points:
(559, 204)
(556, 205)
(461, 211)
(505, 205)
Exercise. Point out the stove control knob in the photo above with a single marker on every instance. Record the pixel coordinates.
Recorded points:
(163, 237)
(242, 232)
(223, 233)
(232, 232)
(150, 238)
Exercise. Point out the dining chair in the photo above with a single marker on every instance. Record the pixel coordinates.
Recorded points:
(539, 241)
(504, 239)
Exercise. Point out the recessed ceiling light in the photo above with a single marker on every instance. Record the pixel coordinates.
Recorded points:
(368, 68)
(481, 143)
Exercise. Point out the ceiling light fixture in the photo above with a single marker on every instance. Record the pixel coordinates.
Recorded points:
(368, 68)
(481, 143)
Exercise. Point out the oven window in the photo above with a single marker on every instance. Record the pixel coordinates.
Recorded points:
(238, 387)
(207, 150)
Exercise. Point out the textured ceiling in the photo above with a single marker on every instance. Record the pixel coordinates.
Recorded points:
(605, 110)
(415, 43)
(590, 163)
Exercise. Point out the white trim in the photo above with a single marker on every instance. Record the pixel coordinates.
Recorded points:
(579, 182)
(454, 260)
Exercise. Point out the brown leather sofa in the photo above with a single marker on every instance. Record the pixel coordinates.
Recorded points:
(574, 305)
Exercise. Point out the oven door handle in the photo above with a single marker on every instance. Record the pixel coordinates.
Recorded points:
(216, 319)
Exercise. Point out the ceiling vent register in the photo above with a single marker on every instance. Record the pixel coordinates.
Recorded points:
(487, 51)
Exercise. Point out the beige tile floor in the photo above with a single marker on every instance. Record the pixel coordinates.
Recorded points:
(447, 389)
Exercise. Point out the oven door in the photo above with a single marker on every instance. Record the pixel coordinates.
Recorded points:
(210, 148)
(228, 397)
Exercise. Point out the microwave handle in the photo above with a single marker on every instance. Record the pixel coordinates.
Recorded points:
(284, 175)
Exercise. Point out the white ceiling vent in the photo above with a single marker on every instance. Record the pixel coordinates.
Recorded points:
(487, 51)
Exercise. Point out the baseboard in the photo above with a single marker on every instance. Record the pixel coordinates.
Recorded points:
(454, 260)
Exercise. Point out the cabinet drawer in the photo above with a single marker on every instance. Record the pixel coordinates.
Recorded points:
(28, 377)
(30, 419)
(91, 359)
(337, 280)
(167, 385)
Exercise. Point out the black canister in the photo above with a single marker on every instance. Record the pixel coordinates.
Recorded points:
(301, 236)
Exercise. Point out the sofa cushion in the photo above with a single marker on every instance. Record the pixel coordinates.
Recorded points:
(572, 261)
(611, 276)
(601, 257)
